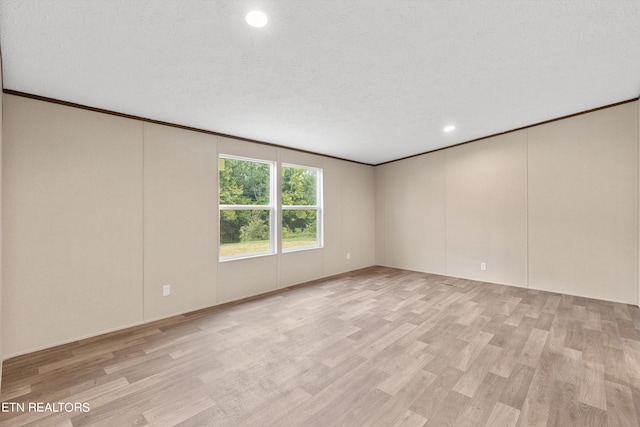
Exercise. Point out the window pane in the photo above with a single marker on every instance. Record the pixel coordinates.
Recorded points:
(299, 228)
(244, 182)
(299, 186)
(244, 232)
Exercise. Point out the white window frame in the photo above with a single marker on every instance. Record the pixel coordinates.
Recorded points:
(318, 207)
(271, 207)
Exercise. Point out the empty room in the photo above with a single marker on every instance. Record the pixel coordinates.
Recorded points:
(320, 213)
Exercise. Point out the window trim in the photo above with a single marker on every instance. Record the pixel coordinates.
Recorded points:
(271, 207)
(318, 207)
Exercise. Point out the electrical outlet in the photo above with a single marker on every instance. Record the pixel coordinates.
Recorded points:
(166, 290)
(483, 266)
(348, 255)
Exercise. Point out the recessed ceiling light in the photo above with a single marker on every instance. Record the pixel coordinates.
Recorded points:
(449, 128)
(256, 19)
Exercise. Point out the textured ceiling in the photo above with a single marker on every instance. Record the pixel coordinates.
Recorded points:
(366, 80)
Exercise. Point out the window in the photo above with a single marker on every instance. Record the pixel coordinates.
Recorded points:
(246, 194)
(301, 207)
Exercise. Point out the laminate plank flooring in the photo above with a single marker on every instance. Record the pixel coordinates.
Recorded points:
(374, 347)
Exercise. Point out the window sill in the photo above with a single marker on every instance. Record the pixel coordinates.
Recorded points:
(248, 256)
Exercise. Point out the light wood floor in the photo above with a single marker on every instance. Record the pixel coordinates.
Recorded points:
(376, 347)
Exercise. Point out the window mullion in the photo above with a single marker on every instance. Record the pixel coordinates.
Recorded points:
(299, 207)
(244, 207)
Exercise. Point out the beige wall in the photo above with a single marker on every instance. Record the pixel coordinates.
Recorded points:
(553, 207)
(413, 213)
(72, 198)
(486, 220)
(357, 210)
(583, 205)
(180, 207)
(102, 211)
